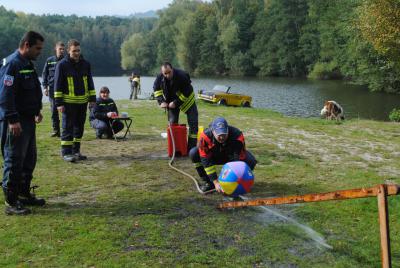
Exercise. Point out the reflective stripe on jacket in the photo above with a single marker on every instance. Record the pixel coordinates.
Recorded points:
(20, 91)
(178, 90)
(210, 149)
(73, 82)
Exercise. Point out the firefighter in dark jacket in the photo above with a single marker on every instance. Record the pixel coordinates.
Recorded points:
(48, 84)
(173, 91)
(218, 145)
(102, 115)
(20, 105)
(73, 89)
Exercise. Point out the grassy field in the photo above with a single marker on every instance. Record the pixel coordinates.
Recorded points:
(124, 207)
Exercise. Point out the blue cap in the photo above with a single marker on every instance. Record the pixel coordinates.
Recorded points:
(219, 126)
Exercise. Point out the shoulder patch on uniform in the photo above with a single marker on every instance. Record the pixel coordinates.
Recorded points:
(8, 80)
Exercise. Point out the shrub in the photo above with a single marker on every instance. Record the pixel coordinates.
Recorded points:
(395, 115)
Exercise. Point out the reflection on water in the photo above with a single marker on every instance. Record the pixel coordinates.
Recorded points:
(293, 97)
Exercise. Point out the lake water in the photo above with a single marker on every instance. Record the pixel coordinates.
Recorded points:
(293, 97)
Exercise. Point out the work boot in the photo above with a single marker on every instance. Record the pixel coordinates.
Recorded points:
(69, 158)
(16, 209)
(29, 199)
(80, 156)
(13, 205)
(207, 186)
(55, 133)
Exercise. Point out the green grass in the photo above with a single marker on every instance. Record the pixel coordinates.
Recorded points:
(125, 207)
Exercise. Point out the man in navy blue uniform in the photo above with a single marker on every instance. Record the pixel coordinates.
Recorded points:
(102, 114)
(173, 91)
(48, 84)
(73, 89)
(20, 105)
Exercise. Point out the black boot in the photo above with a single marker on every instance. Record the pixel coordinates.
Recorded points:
(29, 199)
(207, 186)
(13, 205)
(80, 156)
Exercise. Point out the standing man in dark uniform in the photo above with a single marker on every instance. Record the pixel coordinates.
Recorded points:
(173, 91)
(73, 89)
(20, 105)
(48, 84)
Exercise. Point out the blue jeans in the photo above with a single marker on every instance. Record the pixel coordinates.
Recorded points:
(19, 154)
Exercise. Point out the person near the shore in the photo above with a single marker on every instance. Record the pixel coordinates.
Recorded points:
(48, 84)
(173, 91)
(74, 89)
(102, 115)
(20, 105)
(218, 145)
(134, 80)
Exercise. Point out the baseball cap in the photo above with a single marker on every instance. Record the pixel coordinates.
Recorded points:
(219, 126)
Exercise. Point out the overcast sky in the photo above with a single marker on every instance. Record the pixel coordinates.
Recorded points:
(85, 7)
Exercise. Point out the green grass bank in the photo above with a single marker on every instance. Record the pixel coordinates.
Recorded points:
(124, 207)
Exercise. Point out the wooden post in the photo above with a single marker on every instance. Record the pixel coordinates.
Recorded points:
(384, 227)
(380, 191)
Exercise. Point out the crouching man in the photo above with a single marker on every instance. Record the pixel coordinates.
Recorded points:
(218, 145)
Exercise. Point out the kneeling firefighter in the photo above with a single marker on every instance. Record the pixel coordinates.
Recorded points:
(218, 145)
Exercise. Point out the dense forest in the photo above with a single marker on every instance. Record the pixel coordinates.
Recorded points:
(100, 37)
(356, 40)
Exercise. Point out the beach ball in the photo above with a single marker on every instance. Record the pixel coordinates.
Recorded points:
(236, 178)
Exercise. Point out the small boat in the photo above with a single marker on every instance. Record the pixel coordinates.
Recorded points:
(220, 94)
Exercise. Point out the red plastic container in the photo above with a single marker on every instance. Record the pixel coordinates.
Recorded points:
(180, 138)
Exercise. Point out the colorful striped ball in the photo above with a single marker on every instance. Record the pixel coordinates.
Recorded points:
(236, 178)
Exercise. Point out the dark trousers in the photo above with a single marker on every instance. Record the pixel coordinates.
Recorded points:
(193, 122)
(54, 115)
(19, 155)
(73, 123)
(134, 91)
(103, 127)
(194, 155)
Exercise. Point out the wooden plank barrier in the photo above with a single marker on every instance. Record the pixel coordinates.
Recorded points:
(380, 191)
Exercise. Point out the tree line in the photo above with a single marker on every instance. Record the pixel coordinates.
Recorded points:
(356, 40)
(100, 37)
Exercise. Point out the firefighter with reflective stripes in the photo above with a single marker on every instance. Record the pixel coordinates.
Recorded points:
(218, 145)
(74, 88)
(134, 80)
(102, 116)
(20, 105)
(49, 70)
(174, 92)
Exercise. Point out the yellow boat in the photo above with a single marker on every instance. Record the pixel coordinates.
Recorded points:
(220, 94)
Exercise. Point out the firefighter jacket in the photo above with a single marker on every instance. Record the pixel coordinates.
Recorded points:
(101, 109)
(20, 91)
(212, 152)
(48, 73)
(135, 81)
(179, 90)
(73, 82)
